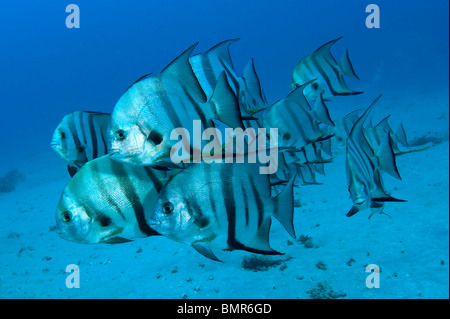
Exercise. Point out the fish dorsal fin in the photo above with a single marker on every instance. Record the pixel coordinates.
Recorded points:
(225, 103)
(181, 71)
(321, 111)
(357, 129)
(347, 67)
(325, 51)
(253, 84)
(222, 52)
(386, 157)
(400, 136)
(205, 251)
(297, 96)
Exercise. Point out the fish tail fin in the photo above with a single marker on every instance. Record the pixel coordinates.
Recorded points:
(347, 66)
(284, 207)
(226, 105)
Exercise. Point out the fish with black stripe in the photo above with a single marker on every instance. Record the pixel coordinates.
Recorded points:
(326, 74)
(364, 166)
(81, 136)
(223, 206)
(109, 202)
(147, 113)
(297, 122)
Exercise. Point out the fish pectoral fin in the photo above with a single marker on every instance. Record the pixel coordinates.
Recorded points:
(81, 148)
(206, 251)
(72, 170)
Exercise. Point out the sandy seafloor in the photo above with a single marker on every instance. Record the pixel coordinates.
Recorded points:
(411, 245)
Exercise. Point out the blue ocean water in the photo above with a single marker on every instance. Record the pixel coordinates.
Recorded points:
(48, 70)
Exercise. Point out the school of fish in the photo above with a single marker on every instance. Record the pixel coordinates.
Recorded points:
(124, 184)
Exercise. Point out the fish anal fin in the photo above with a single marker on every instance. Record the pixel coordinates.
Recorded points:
(387, 198)
(116, 240)
(284, 207)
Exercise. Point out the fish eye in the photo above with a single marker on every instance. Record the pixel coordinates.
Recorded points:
(167, 208)
(62, 135)
(120, 135)
(66, 216)
(315, 86)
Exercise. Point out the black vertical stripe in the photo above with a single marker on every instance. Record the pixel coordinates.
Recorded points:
(230, 206)
(156, 182)
(81, 116)
(93, 135)
(229, 202)
(259, 203)
(73, 130)
(128, 189)
(325, 75)
(244, 194)
(210, 189)
(297, 123)
(97, 179)
(198, 110)
(167, 104)
(208, 70)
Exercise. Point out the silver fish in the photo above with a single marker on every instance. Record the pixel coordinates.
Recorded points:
(147, 113)
(223, 206)
(326, 74)
(108, 202)
(298, 124)
(364, 167)
(81, 136)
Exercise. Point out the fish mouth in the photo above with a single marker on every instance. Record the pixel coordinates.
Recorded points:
(154, 223)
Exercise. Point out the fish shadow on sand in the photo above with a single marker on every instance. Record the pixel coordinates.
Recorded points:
(10, 179)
